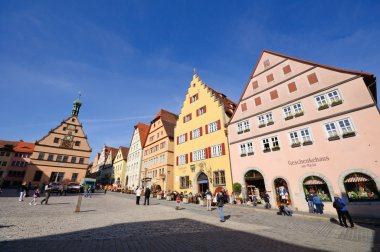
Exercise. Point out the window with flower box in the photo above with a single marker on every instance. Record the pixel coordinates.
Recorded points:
(271, 144)
(300, 137)
(329, 99)
(246, 149)
(219, 178)
(294, 110)
(243, 126)
(342, 128)
(265, 119)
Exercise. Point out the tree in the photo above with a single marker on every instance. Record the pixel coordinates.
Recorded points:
(237, 188)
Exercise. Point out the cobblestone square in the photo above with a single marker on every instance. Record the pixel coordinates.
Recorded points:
(112, 222)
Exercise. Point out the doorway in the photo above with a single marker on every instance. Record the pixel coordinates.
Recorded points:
(202, 183)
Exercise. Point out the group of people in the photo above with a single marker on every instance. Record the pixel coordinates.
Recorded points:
(140, 191)
(315, 203)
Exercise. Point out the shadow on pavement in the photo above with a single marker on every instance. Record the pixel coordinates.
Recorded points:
(170, 235)
(6, 226)
(85, 211)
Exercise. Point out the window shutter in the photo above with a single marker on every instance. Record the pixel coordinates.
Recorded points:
(204, 108)
(191, 135)
(206, 129)
(177, 160)
(200, 131)
(190, 116)
(191, 157)
(223, 149)
(187, 158)
(206, 153)
(218, 124)
(190, 99)
(185, 137)
(197, 96)
(183, 119)
(197, 112)
(177, 140)
(209, 152)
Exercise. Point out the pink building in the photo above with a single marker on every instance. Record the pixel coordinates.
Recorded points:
(302, 127)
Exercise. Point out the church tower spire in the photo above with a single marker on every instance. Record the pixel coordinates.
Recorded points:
(76, 106)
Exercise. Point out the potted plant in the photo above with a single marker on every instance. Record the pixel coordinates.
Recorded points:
(307, 142)
(300, 113)
(296, 144)
(289, 117)
(236, 187)
(333, 138)
(275, 148)
(336, 102)
(323, 106)
(349, 134)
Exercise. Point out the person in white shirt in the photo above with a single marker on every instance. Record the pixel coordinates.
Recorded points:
(138, 194)
(209, 199)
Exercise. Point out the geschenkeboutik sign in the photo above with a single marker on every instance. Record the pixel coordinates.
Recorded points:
(309, 162)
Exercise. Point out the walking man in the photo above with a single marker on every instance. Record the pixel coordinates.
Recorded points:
(209, 199)
(138, 193)
(147, 195)
(47, 194)
(220, 202)
(318, 204)
(22, 192)
(342, 211)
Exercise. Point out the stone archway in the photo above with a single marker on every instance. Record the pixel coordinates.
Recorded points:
(316, 174)
(202, 182)
(282, 191)
(242, 179)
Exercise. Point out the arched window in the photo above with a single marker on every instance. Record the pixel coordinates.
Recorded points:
(282, 191)
(360, 187)
(317, 186)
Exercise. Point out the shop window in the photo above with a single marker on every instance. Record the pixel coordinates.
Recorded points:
(317, 186)
(360, 187)
(282, 192)
(37, 176)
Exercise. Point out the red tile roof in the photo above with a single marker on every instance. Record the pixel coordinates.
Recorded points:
(18, 146)
(143, 132)
(124, 151)
(169, 121)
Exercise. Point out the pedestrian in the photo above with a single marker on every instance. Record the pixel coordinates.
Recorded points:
(310, 202)
(47, 194)
(178, 205)
(138, 193)
(254, 200)
(86, 191)
(342, 211)
(22, 192)
(147, 196)
(89, 191)
(65, 189)
(208, 199)
(318, 204)
(266, 200)
(220, 201)
(227, 196)
(288, 211)
(105, 189)
(36, 194)
(60, 189)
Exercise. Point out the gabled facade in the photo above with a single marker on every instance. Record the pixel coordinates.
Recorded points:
(134, 160)
(62, 155)
(158, 156)
(302, 127)
(201, 146)
(107, 168)
(120, 166)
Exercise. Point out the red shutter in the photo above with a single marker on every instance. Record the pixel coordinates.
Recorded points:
(223, 149)
(185, 137)
(177, 160)
(191, 135)
(209, 152)
(204, 109)
(206, 153)
(184, 120)
(191, 157)
(197, 112)
(218, 124)
(197, 96)
(206, 129)
(190, 99)
(177, 140)
(190, 116)
(200, 131)
(187, 158)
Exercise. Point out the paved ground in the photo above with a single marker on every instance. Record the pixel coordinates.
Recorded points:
(113, 222)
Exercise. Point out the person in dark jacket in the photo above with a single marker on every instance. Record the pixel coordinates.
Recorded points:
(318, 204)
(220, 201)
(147, 196)
(342, 211)
(310, 202)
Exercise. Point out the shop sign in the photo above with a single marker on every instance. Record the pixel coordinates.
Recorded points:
(309, 162)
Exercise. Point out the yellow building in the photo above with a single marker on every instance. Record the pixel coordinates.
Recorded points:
(158, 159)
(201, 146)
(120, 166)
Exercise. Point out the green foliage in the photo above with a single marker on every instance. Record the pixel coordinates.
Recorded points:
(237, 188)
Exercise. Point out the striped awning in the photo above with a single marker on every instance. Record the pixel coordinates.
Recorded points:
(314, 182)
(356, 178)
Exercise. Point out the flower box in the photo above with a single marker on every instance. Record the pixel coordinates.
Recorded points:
(270, 123)
(240, 132)
(267, 150)
(243, 155)
(289, 117)
(307, 143)
(323, 106)
(294, 145)
(246, 130)
(250, 153)
(262, 125)
(337, 102)
(275, 148)
(349, 134)
(299, 114)
(333, 138)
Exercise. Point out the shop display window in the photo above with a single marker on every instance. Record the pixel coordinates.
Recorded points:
(317, 186)
(360, 187)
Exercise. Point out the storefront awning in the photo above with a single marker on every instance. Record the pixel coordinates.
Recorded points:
(356, 178)
(314, 182)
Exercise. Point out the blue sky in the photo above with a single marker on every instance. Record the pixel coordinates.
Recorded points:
(131, 58)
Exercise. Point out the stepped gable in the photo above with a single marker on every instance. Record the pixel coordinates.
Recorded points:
(143, 132)
(124, 151)
(169, 121)
(229, 105)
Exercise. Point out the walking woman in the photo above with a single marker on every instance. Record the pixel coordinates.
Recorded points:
(220, 202)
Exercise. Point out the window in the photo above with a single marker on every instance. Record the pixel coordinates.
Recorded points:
(343, 127)
(243, 150)
(246, 148)
(214, 126)
(257, 101)
(53, 176)
(240, 127)
(59, 158)
(286, 69)
(294, 138)
(270, 78)
(60, 176)
(360, 187)
(182, 138)
(162, 145)
(50, 157)
(41, 156)
(184, 182)
(73, 159)
(243, 107)
(255, 85)
(219, 178)
(271, 144)
(266, 63)
(199, 155)
(201, 111)
(243, 126)
(216, 150)
(331, 98)
(194, 98)
(65, 159)
(294, 110)
(312, 78)
(196, 133)
(187, 118)
(273, 95)
(4, 163)
(292, 87)
(77, 143)
(37, 176)
(265, 119)
(56, 140)
(303, 135)
(181, 159)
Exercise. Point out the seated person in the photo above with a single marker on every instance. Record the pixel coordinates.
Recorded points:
(288, 211)
(281, 210)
